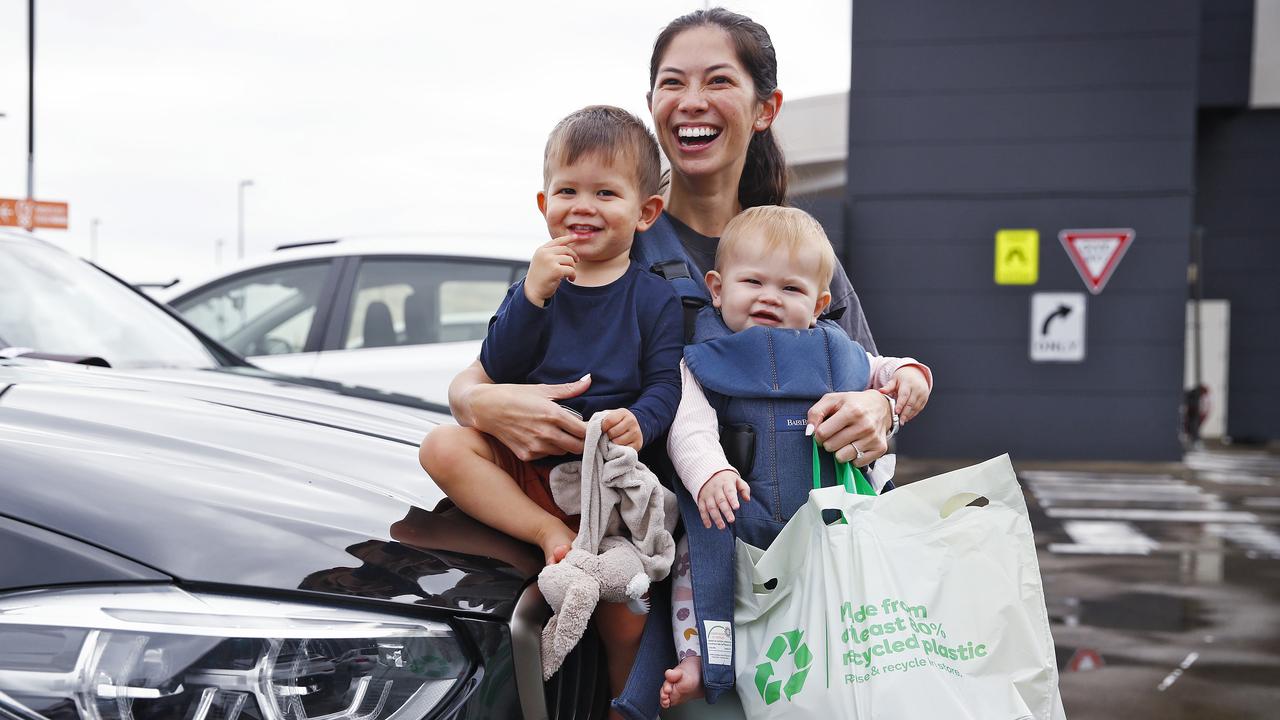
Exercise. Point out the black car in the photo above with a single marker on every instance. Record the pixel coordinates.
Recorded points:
(185, 536)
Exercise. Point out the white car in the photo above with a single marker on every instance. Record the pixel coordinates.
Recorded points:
(402, 314)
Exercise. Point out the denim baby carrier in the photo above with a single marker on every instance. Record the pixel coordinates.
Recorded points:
(761, 383)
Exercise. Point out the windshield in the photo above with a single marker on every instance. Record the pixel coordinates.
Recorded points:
(53, 302)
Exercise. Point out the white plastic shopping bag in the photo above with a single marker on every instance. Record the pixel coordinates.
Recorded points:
(919, 606)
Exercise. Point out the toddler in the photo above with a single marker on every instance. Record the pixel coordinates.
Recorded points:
(583, 309)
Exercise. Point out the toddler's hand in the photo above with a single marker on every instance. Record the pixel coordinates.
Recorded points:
(911, 388)
(718, 498)
(551, 263)
(623, 429)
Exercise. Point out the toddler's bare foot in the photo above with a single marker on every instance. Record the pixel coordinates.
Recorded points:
(683, 682)
(555, 541)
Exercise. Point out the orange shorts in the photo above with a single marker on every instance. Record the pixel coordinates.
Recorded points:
(533, 478)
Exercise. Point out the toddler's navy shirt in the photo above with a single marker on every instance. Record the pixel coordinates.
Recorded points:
(628, 334)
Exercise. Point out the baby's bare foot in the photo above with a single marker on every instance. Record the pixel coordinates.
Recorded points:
(683, 682)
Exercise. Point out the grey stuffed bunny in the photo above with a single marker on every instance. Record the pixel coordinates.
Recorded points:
(624, 540)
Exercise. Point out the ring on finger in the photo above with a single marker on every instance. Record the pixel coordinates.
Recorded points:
(858, 455)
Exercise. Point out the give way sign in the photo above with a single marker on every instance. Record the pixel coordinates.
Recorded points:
(1096, 253)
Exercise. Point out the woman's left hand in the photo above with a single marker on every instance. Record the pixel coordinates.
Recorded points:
(853, 425)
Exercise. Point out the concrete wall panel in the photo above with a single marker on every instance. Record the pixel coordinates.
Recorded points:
(1238, 174)
(989, 21)
(1022, 117)
(1165, 61)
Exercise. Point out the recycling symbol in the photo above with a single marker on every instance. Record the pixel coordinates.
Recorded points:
(789, 643)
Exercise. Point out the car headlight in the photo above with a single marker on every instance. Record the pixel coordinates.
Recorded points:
(161, 652)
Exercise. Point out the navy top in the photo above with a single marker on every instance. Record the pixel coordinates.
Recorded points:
(627, 334)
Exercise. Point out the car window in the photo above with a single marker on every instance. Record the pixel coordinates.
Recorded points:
(414, 302)
(265, 312)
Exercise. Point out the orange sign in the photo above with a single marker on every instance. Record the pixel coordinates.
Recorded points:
(31, 214)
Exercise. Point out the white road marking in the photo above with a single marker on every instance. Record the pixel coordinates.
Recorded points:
(1235, 478)
(1145, 515)
(1253, 538)
(1258, 461)
(1104, 538)
(1075, 476)
(1172, 677)
(1098, 510)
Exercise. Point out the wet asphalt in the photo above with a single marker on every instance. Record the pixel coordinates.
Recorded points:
(1162, 581)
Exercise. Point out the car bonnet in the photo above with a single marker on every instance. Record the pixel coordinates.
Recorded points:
(216, 486)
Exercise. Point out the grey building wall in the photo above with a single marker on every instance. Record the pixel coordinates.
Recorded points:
(970, 117)
(1238, 177)
(1226, 52)
(1238, 191)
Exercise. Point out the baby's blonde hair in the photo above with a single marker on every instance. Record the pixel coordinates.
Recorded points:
(788, 228)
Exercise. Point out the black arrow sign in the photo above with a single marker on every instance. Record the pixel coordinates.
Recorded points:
(1008, 257)
(1063, 311)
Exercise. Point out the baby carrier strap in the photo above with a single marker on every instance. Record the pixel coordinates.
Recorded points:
(659, 250)
(712, 601)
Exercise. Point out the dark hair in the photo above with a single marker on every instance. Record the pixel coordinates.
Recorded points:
(764, 177)
(611, 131)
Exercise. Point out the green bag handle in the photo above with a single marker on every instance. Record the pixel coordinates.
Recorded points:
(854, 482)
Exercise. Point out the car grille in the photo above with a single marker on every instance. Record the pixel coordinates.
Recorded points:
(580, 690)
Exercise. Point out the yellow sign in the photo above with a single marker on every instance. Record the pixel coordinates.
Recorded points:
(1017, 257)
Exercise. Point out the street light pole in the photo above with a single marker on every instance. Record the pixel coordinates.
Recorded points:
(93, 240)
(31, 98)
(240, 217)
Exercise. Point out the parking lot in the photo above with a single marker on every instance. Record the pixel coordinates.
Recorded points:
(1162, 581)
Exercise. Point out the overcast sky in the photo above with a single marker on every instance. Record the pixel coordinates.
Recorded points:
(350, 117)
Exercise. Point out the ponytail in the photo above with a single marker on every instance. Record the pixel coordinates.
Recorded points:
(764, 177)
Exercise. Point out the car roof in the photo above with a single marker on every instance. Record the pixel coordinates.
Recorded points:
(462, 245)
(23, 237)
(455, 245)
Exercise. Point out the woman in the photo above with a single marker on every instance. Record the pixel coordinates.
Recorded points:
(713, 95)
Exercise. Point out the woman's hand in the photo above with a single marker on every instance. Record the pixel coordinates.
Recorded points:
(848, 422)
(525, 418)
